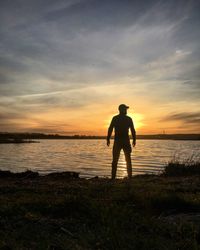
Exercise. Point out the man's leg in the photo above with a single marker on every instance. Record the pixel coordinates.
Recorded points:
(116, 153)
(127, 152)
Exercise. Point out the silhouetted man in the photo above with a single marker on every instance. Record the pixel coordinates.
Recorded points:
(121, 123)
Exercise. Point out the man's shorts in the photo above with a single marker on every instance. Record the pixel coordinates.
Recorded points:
(125, 145)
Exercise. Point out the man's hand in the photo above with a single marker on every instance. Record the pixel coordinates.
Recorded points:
(134, 143)
(108, 142)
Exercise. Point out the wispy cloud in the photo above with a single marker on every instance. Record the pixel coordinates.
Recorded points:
(57, 54)
(185, 117)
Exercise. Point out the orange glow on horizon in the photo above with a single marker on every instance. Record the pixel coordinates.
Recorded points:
(95, 120)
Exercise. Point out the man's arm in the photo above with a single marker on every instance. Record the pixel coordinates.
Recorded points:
(110, 129)
(133, 133)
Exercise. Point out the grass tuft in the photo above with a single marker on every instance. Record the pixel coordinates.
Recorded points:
(183, 167)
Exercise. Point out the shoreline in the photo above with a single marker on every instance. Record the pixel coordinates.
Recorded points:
(12, 141)
(63, 211)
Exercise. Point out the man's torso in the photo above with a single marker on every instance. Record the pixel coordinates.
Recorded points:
(121, 124)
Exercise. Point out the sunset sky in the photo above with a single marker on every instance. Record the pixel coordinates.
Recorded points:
(66, 65)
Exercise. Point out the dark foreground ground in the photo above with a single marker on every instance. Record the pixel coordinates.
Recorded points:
(58, 212)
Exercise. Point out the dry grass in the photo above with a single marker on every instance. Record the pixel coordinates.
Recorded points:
(73, 213)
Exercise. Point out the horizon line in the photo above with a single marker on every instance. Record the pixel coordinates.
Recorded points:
(58, 134)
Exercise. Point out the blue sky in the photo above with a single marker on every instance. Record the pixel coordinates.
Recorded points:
(65, 66)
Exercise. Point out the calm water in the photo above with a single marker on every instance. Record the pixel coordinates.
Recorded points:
(91, 157)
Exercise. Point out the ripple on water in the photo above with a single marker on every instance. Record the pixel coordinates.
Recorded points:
(91, 157)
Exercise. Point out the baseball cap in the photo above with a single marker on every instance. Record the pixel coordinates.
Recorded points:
(123, 106)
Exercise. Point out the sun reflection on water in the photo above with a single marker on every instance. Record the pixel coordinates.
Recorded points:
(122, 169)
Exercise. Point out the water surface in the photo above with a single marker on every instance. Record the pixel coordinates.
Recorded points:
(91, 157)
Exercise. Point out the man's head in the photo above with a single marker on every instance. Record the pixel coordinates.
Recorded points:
(123, 109)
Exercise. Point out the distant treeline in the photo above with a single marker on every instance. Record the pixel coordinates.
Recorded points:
(6, 135)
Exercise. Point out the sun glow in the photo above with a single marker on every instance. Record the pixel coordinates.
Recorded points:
(137, 120)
